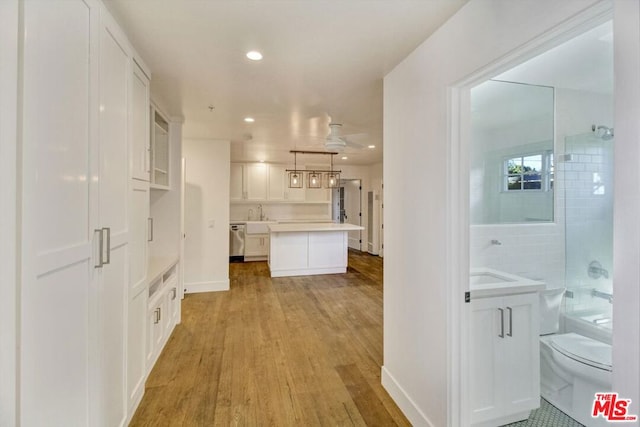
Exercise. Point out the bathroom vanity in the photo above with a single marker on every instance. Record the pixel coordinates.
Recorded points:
(505, 358)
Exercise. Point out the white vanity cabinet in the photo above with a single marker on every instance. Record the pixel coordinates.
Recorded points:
(163, 309)
(505, 358)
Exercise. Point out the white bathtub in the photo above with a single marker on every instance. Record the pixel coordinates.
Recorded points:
(597, 325)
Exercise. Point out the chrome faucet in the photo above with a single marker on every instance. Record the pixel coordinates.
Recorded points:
(596, 271)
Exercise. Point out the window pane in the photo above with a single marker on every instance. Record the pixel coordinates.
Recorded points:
(514, 182)
(532, 185)
(514, 166)
(532, 164)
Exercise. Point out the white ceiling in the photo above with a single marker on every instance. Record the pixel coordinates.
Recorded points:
(323, 60)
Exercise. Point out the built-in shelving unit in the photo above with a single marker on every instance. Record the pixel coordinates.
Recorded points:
(159, 150)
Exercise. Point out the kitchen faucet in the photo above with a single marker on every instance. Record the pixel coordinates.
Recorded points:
(261, 213)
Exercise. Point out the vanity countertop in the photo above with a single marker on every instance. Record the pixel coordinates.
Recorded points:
(487, 282)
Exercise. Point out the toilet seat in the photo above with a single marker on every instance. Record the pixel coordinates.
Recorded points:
(584, 350)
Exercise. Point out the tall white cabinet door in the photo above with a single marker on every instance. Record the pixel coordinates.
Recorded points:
(58, 275)
(140, 139)
(277, 182)
(114, 195)
(236, 182)
(256, 182)
(138, 292)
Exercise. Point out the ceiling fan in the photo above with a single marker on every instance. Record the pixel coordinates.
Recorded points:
(335, 141)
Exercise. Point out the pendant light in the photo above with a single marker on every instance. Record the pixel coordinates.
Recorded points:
(333, 177)
(314, 180)
(295, 176)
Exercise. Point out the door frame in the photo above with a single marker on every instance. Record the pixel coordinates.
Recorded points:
(457, 189)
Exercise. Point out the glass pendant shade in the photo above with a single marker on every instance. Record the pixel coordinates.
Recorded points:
(314, 180)
(333, 180)
(295, 179)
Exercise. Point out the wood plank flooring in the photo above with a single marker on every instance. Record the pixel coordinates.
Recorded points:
(301, 351)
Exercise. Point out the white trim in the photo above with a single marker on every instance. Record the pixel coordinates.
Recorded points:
(213, 286)
(458, 196)
(10, 22)
(308, 271)
(408, 407)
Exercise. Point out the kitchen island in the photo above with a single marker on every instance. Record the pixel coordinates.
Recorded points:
(307, 249)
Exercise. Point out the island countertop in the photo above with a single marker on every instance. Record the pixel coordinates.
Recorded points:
(288, 228)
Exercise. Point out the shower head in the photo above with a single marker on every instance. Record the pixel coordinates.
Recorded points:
(604, 132)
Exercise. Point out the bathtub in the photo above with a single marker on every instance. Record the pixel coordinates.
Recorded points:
(595, 324)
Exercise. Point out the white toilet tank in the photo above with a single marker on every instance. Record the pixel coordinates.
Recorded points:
(550, 304)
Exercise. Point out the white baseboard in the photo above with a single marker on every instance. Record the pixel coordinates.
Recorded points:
(197, 287)
(404, 402)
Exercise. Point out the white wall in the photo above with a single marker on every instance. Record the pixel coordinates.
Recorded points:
(416, 133)
(9, 50)
(206, 247)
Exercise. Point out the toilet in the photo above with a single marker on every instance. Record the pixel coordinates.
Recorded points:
(573, 368)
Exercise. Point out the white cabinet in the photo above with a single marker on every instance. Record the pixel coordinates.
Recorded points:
(140, 138)
(236, 191)
(256, 246)
(159, 150)
(277, 184)
(262, 182)
(504, 359)
(256, 181)
(138, 292)
(163, 310)
(75, 228)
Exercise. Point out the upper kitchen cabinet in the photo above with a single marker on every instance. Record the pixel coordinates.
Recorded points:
(262, 182)
(140, 138)
(248, 182)
(159, 150)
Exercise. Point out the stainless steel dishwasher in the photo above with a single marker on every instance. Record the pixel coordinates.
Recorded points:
(236, 242)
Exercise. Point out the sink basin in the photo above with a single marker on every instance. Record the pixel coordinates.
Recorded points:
(487, 282)
(258, 227)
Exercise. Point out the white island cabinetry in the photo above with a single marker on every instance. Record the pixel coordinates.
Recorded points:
(307, 249)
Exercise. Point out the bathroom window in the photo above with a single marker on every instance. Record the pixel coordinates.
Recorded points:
(533, 171)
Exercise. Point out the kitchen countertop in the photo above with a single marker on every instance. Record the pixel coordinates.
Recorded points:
(315, 226)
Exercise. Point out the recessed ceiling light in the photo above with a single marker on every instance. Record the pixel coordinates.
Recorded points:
(254, 55)
(344, 157)
(371, 146)
(249, 119)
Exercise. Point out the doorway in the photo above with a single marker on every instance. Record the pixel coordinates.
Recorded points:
(347, 208)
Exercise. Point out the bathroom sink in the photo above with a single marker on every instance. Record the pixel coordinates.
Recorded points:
(258, 227)
(487, 282)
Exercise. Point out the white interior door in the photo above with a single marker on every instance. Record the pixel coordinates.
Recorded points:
(58, 275)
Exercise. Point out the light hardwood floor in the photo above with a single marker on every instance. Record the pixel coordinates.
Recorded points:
(301, 351)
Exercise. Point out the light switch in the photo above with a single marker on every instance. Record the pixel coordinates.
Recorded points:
(212, 223)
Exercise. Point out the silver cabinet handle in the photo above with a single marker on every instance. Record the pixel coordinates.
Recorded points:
(158, 315)
(510, 334)
(150, 231)
(174, 293)
(100, 247)
(108, 230)
(501, 334)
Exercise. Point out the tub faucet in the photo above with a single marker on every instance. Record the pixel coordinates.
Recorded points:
(596, 271)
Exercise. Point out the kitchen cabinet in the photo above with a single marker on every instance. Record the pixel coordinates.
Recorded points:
(236, 190)
(159, 150)
(256, 246)
(262, 182)
(140, 137)
(504, 359)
